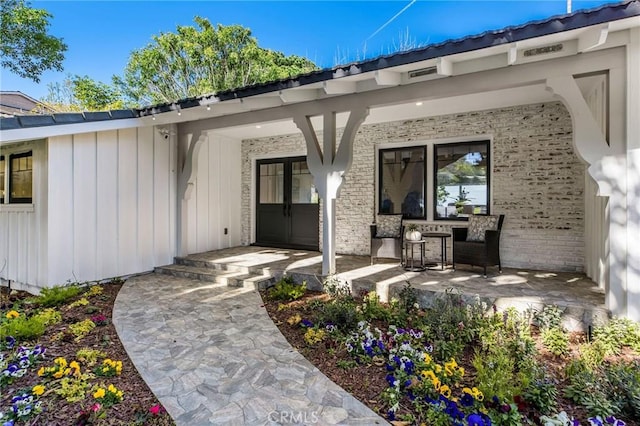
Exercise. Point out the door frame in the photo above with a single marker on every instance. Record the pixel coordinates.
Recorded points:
(253, 196)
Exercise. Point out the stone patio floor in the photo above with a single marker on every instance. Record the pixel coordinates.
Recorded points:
(212, 356)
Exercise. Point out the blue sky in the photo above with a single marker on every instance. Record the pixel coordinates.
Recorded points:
(101, 34)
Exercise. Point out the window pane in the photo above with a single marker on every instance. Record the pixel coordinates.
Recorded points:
(402, 180)
(303, 191)
(21, 178)
(272, 183)
(3, 164)
(461, 179)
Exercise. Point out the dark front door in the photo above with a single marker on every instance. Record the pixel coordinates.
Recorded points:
(287, 204)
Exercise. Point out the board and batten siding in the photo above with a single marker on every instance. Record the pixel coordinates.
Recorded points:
(214, 204)
(23, 227)
(112, 204)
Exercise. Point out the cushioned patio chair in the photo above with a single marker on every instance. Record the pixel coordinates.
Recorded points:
(479, 244)
(386, 237)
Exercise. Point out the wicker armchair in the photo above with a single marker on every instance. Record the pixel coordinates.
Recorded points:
(387, 244)
(481, 253)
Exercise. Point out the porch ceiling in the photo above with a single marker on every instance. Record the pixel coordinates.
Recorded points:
(404, 111)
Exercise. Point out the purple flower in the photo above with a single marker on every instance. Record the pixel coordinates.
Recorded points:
(596, 421)
(476, 419)
(10, 342)
(391, 415)
(306, 323)
(467, 400)
(390, 379)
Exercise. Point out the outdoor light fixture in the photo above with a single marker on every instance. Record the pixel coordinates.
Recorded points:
(208, 107)
(419, 103)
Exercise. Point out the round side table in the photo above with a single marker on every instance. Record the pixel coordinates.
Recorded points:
(409, 261)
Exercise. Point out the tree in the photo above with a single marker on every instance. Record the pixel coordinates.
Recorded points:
(77, 93)
(25, 47)
(195, 61)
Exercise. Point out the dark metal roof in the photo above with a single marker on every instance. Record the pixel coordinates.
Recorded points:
(552, 25)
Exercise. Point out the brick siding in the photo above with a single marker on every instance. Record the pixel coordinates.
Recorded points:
(537, 181)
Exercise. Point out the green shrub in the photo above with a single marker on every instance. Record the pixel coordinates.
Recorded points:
(549, 317)
(624, 387)
(81, 329)
(56, 296)
(287, 289)
(341, 313)
(542, 394)
(496, 374)
(619, 332)
(592, 354)
(588, 389)
(49, 316)
(23, 328)
(556, 341)
(372, 309)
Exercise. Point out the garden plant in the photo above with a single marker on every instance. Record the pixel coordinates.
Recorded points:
(61, 362)
(460, 363)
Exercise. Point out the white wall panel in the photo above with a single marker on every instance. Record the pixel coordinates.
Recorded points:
(145, 197)
(60, 239)
(107, 204)
(163, 199)
(84, 207)
(127, 201)
(215, 202)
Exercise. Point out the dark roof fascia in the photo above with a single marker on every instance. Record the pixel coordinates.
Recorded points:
(533, 29)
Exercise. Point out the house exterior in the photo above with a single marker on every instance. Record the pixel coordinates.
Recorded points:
(17, 103)
(537, 122)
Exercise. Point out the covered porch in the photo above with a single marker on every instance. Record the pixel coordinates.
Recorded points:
(583, 303)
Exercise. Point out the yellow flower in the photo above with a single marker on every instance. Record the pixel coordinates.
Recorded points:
(99, 393)
(38, 390)
(467, 390)
(41, 372)
(461, 371)
(438, 368)
(428, 374)
(436, 383)
(477, 394)
(61, 362)
(450, 366)
(445, 391)
(427, 358)
(58, 374)
(12, 314)
(294, 319)
(112, 389)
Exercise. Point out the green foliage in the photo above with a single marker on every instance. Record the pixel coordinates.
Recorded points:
(73, 389)
(80, 302)
(287, 289)
(496, 373)
(336, 289)
(204, 59)
(341, 313)
(542, 394)
(619, 332)
(372, 309)
(23, 328)
(49, 316)
(624, 387)
(556, 341)
(549, 317)
(26, 49)
(89, 356)
(592, 354)
(346, 364)
(588, 389)
(408, 298)
(81, 329)
(81, 93)
(56, 296)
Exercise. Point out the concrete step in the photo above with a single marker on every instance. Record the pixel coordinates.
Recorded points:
(220, 266)
(220, 276)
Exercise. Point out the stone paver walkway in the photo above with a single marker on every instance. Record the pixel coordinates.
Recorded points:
(212, 356)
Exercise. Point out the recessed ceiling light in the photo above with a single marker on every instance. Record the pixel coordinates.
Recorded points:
(418, 103)
(258, 126)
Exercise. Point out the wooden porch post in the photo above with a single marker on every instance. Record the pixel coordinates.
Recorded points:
(186, 181)
(328, 167)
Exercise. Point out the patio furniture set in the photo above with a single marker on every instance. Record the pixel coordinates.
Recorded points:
(477, 244)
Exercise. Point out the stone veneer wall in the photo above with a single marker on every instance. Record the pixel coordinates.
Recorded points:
(537, 181)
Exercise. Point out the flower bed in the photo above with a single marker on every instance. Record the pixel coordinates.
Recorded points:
(464, 364)
(61, 362)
